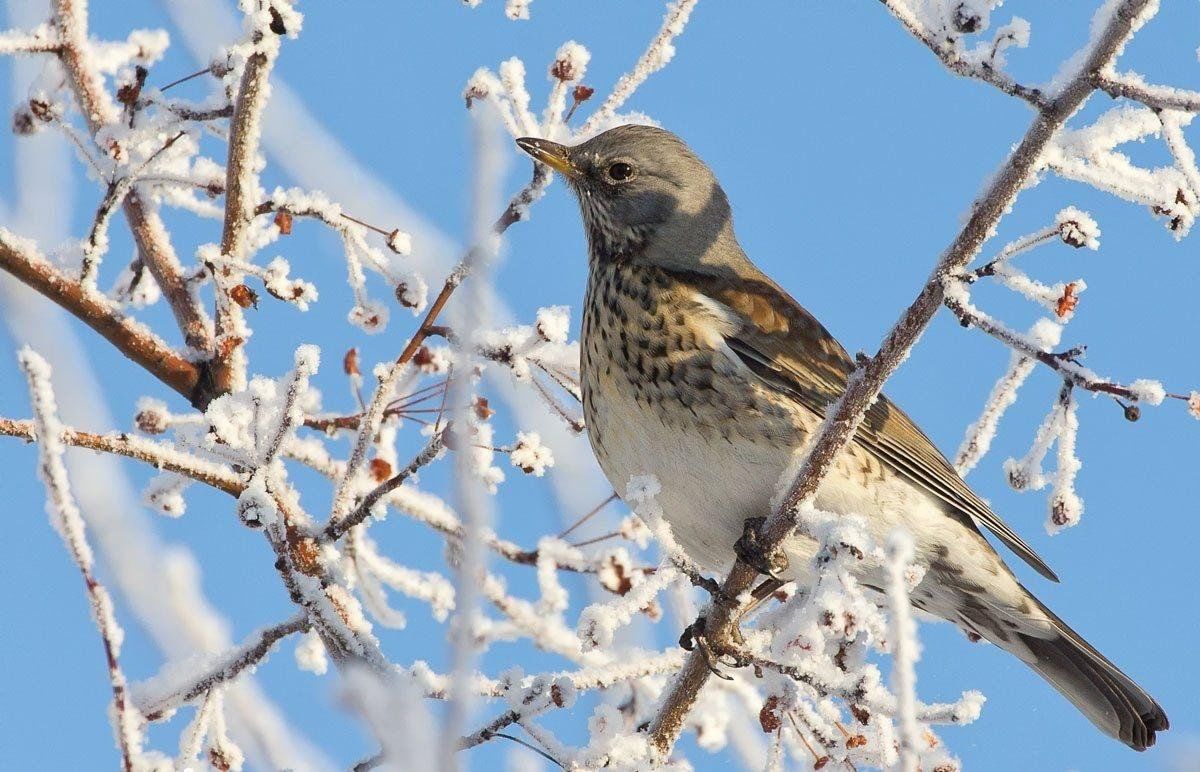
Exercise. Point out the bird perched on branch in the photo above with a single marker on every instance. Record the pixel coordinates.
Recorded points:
(699, 369)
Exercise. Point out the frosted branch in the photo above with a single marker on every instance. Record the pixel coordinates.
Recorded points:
(182, 682)
(68, 521)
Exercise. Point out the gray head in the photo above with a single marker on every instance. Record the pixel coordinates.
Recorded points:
(643, 193)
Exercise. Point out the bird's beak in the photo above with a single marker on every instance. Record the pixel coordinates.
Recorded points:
(552, 154)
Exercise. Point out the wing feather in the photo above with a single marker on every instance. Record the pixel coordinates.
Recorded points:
(789, 350)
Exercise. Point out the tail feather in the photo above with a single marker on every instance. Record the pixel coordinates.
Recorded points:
(1109, 698)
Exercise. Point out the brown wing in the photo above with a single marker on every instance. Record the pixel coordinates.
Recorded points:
(792, 353)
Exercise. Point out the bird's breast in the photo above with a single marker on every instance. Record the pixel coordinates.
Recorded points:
(663, 396)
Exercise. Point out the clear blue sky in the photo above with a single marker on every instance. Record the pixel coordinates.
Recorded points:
(850, 158)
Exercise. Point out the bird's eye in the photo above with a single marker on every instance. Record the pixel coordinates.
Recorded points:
(620, 171)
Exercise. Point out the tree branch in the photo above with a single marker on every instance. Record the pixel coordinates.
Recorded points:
(156, 704)
(950, 58)
(241, 186)
(867, 381)
(149, 233)
(1157, 97)
(20, 259)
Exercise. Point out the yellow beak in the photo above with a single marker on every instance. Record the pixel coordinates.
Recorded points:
(552, 154)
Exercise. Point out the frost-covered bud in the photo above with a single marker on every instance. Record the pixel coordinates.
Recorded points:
(769, 716)
(310, 654)
(479, 86)
(380, 469)
(23, 123)
(530, 455)
(370, 317)
(432, 359)
(1067, 302)
(1149, 391)
(152, 416)
(1065, 510)
(968, 19)
(399, 242)
(164, 494)
(1076, 228)
(553, 324)
(1017, 475)
(563, 693)
(243, 296)
(350, 362)
(634, 529)
(256, 506)
(570, 62)
(1193, 404)
(615, 572)
(517, 9)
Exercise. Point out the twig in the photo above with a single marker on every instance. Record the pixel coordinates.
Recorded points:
(158, 703)
(1062, 363)
(589, 515)
(1157, 97)
(867, 381)
(950, 59)
(68, 521)
(338, 528)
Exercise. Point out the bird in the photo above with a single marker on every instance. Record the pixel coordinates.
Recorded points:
(697, 368)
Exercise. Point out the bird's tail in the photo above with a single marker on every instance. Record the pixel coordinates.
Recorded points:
(1109, 698)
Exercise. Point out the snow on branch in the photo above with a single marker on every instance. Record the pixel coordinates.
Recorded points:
(180, 683)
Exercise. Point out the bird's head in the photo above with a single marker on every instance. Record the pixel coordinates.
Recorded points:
(641, 191)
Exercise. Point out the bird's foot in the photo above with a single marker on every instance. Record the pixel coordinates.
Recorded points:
(750, 550)
(695, 636)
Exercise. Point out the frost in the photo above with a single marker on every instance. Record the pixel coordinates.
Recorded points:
(530, 455)
(310, 654)
(1077, 228)
(1149, 391)
(554, 324)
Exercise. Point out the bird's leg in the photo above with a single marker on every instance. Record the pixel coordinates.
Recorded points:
(749, 549)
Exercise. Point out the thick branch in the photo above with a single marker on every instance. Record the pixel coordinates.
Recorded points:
(867, 382)
(148, 451)
(129, 337)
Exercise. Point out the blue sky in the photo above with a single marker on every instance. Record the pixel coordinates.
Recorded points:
(850, 157)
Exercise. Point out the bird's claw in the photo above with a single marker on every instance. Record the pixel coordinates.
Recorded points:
(750, 550)
(694, 637)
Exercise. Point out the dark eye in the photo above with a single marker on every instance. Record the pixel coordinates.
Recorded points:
(620, 171)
